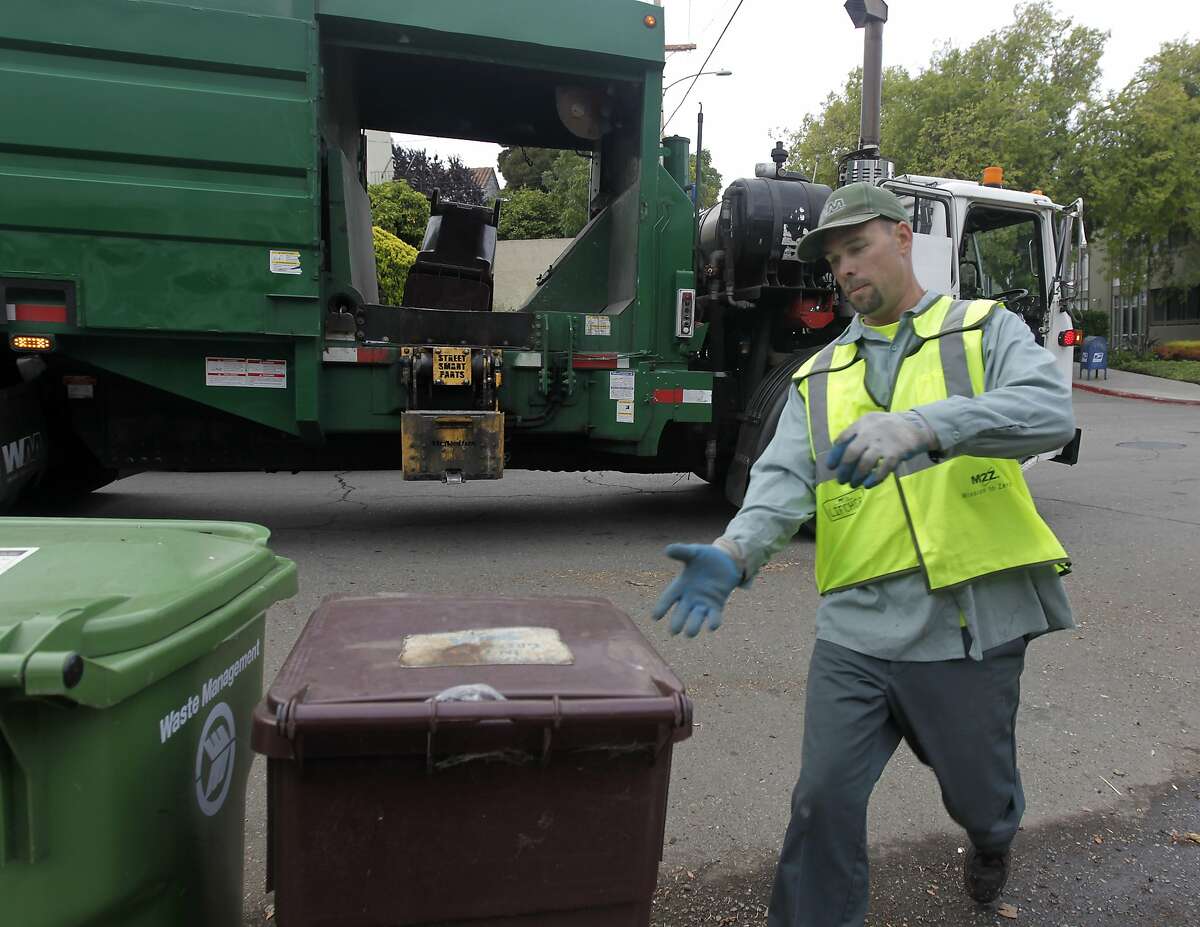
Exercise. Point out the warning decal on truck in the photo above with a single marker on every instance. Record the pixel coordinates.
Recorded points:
(487, 647)
(245, 372)
(286, 262)
(11, 556)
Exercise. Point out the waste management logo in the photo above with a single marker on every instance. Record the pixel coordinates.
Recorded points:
(214, 759)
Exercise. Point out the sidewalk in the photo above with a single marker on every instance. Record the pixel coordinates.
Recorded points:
(1139, 386)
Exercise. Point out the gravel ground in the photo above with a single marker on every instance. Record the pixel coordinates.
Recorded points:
(1136, 864)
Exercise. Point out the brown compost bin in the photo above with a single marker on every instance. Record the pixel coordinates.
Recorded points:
(389, 807)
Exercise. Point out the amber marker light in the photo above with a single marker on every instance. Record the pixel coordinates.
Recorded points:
(993, 176)
(650, 20)
(31, 343)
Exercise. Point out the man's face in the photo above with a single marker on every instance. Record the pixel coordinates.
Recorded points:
(872, 263)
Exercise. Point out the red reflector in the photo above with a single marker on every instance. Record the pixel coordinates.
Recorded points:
(595, 362)
(812, 312)
(669, 397)
(374, 355)
(36, 312)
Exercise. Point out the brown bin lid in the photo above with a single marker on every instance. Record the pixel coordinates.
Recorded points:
(376, 662)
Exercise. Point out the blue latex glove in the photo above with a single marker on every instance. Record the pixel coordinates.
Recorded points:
(866, 452)
(699, 593)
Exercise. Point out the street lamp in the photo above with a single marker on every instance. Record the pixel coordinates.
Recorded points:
(721, 73)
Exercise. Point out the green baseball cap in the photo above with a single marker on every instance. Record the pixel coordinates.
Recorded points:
(852, 204)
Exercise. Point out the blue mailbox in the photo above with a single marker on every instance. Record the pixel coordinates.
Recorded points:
(1094, 356)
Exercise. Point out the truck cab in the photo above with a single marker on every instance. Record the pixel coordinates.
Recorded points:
(981, 241)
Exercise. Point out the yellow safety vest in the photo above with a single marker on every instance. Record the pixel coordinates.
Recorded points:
(954, 520)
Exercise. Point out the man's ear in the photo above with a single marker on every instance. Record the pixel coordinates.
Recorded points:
(904, 236)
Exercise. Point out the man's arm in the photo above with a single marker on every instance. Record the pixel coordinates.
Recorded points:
(780, 497)
(1025, 408)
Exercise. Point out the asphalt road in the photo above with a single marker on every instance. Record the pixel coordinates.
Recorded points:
(1116, 700)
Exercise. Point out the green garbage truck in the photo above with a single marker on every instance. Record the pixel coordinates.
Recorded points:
(188, 276)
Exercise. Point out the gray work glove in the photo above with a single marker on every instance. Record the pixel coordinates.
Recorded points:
(866, 452)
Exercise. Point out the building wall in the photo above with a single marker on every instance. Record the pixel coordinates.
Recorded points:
(379, 156)
(518, 264)
(1129, 313)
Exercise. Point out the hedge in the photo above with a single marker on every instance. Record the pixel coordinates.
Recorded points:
(393, 258)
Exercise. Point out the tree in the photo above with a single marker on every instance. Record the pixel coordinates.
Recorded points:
(528, 213)
(393, 258)
(426, 174)
(1137, 157)
(525, 167)
(1015, 98)
(710, 189)
(398, 208)
(568, 182)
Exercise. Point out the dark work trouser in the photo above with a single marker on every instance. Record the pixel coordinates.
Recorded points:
(958, 716)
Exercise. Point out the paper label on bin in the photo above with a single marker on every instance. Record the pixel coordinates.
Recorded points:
(487, 647)
(11, 556)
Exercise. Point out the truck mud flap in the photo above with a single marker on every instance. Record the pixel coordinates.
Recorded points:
(24, 452)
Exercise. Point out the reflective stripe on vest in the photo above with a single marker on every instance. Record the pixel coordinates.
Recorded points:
(954, 520)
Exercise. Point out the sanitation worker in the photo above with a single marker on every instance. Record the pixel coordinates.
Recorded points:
(902, 438)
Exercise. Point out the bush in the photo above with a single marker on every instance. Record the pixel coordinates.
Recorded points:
(528, 213)
(399, 209)
(1178, 350)
(393, 258)
(1095, 322)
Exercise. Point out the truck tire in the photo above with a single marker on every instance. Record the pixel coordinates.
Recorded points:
(24, 448)
(758, 427)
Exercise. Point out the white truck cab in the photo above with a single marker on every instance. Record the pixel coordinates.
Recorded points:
(977, 241)
(981, 241)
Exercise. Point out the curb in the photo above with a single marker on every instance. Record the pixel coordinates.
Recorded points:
(1123, 394)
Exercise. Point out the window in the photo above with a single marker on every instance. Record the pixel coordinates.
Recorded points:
(1175, 304)
(1001, 252)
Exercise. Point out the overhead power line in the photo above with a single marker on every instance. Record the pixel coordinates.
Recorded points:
(703, 66)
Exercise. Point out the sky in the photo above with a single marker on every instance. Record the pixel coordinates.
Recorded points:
(788, 55)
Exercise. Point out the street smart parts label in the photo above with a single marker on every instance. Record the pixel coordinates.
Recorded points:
(217, 745)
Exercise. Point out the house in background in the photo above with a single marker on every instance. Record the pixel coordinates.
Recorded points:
(485, 178)
(379, 156)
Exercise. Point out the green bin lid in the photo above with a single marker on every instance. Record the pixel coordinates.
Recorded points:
(82, 590)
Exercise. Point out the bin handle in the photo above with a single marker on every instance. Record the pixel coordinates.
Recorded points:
(334, 717)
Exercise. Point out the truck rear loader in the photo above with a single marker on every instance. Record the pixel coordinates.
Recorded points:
(187, 268)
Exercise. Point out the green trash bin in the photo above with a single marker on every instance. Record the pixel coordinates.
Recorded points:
(131, 659)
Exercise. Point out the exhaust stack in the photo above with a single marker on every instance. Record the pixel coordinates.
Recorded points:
(866, 163)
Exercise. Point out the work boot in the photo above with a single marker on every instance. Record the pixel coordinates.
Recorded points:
(985, 874)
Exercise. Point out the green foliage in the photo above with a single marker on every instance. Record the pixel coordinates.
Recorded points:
(1095, 322)
(1137, 156)
(527, 212)
(393, 258)
(525, 167)
(398, 208)
(1014, 98)
(710, 190)
(568, 181)
(451, 177)
(1185, 370)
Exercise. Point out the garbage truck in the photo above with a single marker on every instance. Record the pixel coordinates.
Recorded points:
(188, 274)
